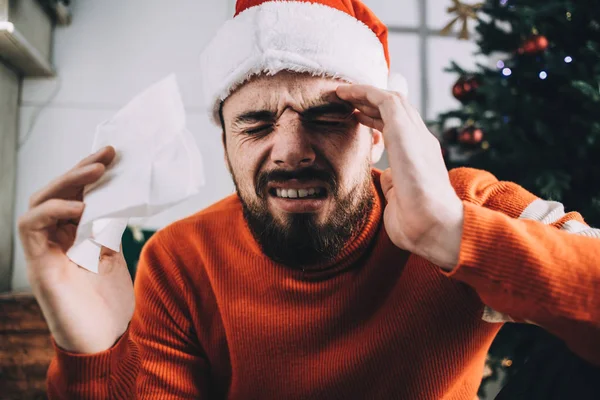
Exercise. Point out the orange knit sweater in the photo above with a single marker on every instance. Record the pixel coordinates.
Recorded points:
(215, 318)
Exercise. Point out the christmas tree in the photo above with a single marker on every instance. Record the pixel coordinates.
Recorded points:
(532, 116)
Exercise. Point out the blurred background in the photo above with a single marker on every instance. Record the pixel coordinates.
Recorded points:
(519, 98)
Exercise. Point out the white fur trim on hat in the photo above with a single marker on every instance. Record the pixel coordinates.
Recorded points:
(294, 36)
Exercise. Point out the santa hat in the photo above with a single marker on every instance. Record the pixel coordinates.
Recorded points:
(334, 38)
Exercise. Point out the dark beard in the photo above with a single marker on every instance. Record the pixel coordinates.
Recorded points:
(302, 242)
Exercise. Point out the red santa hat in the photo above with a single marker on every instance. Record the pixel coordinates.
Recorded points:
(340, 39)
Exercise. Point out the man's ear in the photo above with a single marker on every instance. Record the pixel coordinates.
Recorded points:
(377, 146)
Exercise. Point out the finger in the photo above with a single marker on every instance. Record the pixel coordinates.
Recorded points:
(399, 134)
(363, 94)
(368, 110)
(105, 156)
(69, 184)
(368, 121)
(389, 104)
(49, 214)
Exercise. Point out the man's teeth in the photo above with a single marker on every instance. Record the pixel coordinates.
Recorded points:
(297, 193)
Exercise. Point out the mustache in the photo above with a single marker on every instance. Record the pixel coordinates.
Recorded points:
(301, 174)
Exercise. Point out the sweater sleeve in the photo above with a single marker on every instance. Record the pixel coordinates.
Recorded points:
(158, 356)
(529, 261)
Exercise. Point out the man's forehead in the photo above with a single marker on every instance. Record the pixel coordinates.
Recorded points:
(278, 101)
(287, 88)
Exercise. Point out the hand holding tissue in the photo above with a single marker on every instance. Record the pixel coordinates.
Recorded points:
(157, 166)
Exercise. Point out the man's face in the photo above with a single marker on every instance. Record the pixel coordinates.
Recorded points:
(301, 165)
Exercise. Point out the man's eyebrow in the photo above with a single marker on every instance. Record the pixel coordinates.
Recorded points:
(340, 109)
(251, 117)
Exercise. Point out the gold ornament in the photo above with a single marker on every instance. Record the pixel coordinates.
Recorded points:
(463, 13)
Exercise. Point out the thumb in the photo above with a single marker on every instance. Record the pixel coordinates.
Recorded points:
(106, 252)
(111, 260)
(386, 182)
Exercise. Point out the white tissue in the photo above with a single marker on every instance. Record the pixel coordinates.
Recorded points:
(157, 166)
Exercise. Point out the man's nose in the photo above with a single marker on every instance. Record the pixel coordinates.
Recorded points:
(292, 148)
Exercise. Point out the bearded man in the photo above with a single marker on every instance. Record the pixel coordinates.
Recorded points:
(321, 278)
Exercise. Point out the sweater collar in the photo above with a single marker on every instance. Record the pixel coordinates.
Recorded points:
(353, 250)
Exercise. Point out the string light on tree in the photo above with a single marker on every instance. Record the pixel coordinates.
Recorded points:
(507, 72)
(568, 59)
(543, 75)
(500, 64)
(506, 363)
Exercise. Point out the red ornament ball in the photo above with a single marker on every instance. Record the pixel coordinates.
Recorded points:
(470, 136)
(465, 88)
(464, 137)
(541, 42)
(535, 44)
(457, 90)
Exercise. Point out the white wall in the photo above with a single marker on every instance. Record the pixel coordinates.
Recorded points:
(115, 48)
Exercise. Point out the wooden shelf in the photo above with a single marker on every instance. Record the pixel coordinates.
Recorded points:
(18, 52)
(26, 37)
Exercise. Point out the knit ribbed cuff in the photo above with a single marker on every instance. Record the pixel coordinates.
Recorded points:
(87, 368)
(483, 259)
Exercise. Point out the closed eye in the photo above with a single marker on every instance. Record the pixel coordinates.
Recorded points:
(324, 124)
(259, 130)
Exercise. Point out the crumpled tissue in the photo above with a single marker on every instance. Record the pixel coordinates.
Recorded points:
(157, 166)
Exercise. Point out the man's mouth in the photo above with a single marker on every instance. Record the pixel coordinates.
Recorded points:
(294, 196)
(298, 196)
(298, 193)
